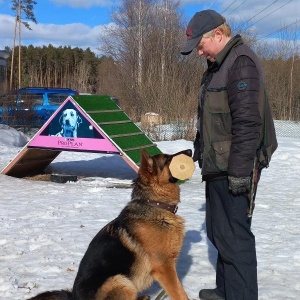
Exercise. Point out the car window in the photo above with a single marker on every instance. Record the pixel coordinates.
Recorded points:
(31, 99)
(57, 99)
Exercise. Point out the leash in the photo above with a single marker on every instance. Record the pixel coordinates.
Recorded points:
(251, 196)
(161, 295)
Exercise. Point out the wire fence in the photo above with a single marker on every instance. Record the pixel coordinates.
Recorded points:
(287, 128)
(187, 130)
(180, 130)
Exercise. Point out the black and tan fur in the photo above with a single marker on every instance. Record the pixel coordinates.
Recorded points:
(141, 245)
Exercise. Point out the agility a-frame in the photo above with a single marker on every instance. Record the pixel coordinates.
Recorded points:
(85, 123)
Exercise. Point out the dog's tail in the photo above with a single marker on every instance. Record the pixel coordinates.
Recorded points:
(53, 295)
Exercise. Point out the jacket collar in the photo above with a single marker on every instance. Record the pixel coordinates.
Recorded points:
(220, 57)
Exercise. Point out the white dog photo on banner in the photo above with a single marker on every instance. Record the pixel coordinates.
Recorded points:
(69, 122)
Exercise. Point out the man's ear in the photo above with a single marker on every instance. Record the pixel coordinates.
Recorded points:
(218, 34)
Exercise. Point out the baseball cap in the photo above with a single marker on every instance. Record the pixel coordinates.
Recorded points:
(201, 23)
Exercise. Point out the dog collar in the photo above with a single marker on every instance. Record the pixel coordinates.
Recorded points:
(172, 208)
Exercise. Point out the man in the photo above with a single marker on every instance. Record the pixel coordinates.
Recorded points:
(235, 140)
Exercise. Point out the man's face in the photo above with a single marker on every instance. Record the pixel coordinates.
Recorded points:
(210, 46)
(207, 48)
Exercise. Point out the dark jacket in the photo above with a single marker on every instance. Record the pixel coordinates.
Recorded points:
(231, 112)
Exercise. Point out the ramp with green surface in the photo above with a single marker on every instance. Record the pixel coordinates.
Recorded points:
(111, 131)
(118, 127)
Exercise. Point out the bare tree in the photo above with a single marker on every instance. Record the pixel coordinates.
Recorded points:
(81, 77)
(21, 7)
(152, 76)
(282, 68)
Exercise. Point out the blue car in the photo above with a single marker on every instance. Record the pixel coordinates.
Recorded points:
(32, 105)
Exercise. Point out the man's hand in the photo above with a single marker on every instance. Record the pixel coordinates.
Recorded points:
(239, 185)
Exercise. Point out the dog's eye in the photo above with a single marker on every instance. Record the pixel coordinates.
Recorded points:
(168, 158)
(160, 165)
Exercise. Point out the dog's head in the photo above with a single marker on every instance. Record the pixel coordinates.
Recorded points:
(69, 117)
(155, 182)
(156, 168)
(69, 121)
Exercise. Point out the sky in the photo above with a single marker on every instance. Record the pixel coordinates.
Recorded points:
(46, 227)
(78, 23)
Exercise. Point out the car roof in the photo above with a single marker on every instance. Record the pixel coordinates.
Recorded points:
(48, 90)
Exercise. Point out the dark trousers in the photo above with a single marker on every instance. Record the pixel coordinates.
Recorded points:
(229, 230)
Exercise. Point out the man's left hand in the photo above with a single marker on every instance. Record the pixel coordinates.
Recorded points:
(239, 185)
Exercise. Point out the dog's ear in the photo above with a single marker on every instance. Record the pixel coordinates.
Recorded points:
(146, 162)
(60, 118)
(79, 120)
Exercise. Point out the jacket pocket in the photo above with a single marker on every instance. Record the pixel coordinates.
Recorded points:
(222, 150)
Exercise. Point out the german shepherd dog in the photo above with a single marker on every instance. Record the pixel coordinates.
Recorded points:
(141, 245)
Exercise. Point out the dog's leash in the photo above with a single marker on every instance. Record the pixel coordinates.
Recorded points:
(161, 295)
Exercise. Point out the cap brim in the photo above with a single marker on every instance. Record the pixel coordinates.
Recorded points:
(190, 45)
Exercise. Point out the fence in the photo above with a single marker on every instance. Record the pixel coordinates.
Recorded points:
(287, 128)
(180, 130)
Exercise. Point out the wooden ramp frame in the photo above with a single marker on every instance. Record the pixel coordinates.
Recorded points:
(104, 115)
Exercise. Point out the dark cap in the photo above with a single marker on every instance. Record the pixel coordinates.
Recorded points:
(201, 23)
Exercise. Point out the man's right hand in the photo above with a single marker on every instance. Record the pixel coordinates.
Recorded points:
(239, 185)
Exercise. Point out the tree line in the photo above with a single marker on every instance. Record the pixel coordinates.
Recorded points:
(56, 67)
(142, 66)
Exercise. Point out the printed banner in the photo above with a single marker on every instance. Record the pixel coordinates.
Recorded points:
(70, 128)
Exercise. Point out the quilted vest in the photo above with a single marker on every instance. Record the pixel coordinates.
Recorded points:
(215, 130)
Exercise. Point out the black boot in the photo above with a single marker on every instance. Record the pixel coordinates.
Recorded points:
(210, 294)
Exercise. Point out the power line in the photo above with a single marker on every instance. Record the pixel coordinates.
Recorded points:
(213, 4)
(261, 11)
(236, 8)
(281, 29)
(285, 27)
(267, 14)
(230, 6)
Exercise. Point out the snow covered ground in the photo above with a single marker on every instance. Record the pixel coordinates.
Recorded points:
(46, 227)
